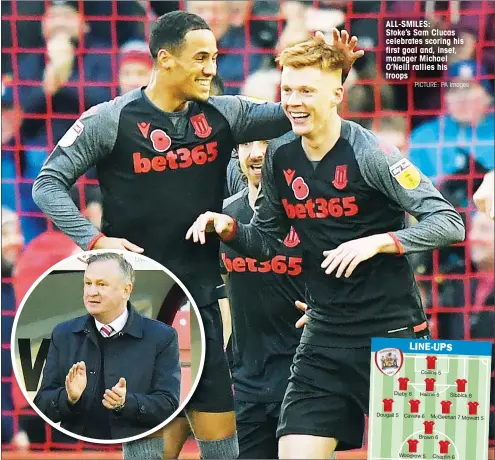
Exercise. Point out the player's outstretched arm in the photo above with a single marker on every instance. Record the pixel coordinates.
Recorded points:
(260, 238)
(253, 121)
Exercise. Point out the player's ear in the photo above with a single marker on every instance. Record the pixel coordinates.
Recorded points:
(164, 59)
(338, 95)
(128, 290)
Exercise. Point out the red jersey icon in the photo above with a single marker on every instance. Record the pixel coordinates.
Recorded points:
(461, 385)
(403, 381)
(473, 407)
(414, 403)
(413, 445)
(446, 406)
(444, 446)
(429, 426)
(430, 384)
(387, 405)
(431, 362)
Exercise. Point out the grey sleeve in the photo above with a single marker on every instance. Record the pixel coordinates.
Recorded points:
(252, 121)
(438, 225)
(269, 226)
(88, 141)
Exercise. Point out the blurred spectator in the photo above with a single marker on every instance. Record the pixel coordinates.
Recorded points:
(392, 130)
(264, 85)
(484, 195)
(453, 292)
(71, 59)
(12, 243)
(63, 28)
(236, 58)
(135, 66)
(467, 126)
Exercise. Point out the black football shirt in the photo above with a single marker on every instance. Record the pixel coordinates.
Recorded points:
(158, 171)
(361, 187)
(262, 296)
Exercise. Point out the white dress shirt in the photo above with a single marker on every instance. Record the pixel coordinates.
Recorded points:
(117, 324)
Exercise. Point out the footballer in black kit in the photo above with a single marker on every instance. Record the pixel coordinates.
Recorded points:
(264, 337)
(345, 194)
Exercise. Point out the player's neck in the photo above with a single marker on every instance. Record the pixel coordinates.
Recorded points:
(252, 194)
(322, 139)
(165, 100)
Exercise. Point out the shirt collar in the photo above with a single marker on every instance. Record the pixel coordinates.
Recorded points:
(117, 324)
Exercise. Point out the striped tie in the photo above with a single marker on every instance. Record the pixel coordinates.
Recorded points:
(106, 330)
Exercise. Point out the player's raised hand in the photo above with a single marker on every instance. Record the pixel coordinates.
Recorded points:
(106, 242)
(345, 43)
(76, 381)
(350, 254)
(115, 398)
(301, 322)
(484, 196)
(210, 222)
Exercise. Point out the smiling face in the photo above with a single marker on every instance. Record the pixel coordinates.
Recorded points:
(105, 290)
(192, 68)
(251, 158)
(308, 96)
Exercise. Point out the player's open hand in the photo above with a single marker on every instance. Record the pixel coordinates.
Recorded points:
(210, 222)
(349, 255)
(106, 242)
(484, 196)
(345, 43)
(76, 381)
(115, 398)
(301, 322)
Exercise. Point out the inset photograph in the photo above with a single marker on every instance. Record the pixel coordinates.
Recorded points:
(108, 346)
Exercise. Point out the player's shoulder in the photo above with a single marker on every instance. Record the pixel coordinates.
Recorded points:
(231, 203)
(112, 108)
(77, 324)
(367, 146)
(279, 143)
(360, 138)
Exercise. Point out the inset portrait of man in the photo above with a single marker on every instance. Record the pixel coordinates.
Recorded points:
(112, 373)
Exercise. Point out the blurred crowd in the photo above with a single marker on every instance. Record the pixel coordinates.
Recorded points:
(59, 58)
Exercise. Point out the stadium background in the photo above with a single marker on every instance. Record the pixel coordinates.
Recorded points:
(450, 136)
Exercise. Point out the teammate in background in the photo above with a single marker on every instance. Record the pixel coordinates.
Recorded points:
(345, 195)
(161, 155)
(264, 339)
(484, 197)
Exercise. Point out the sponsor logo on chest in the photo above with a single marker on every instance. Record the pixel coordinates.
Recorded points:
(167, 158)
(313, 207)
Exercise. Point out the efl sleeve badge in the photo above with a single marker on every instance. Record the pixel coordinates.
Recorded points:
(406, 174)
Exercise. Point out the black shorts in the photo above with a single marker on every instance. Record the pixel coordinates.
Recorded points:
(214, 391)
(257, 429)
(328, 393)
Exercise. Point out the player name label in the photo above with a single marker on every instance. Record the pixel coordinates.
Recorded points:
(429, 399)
